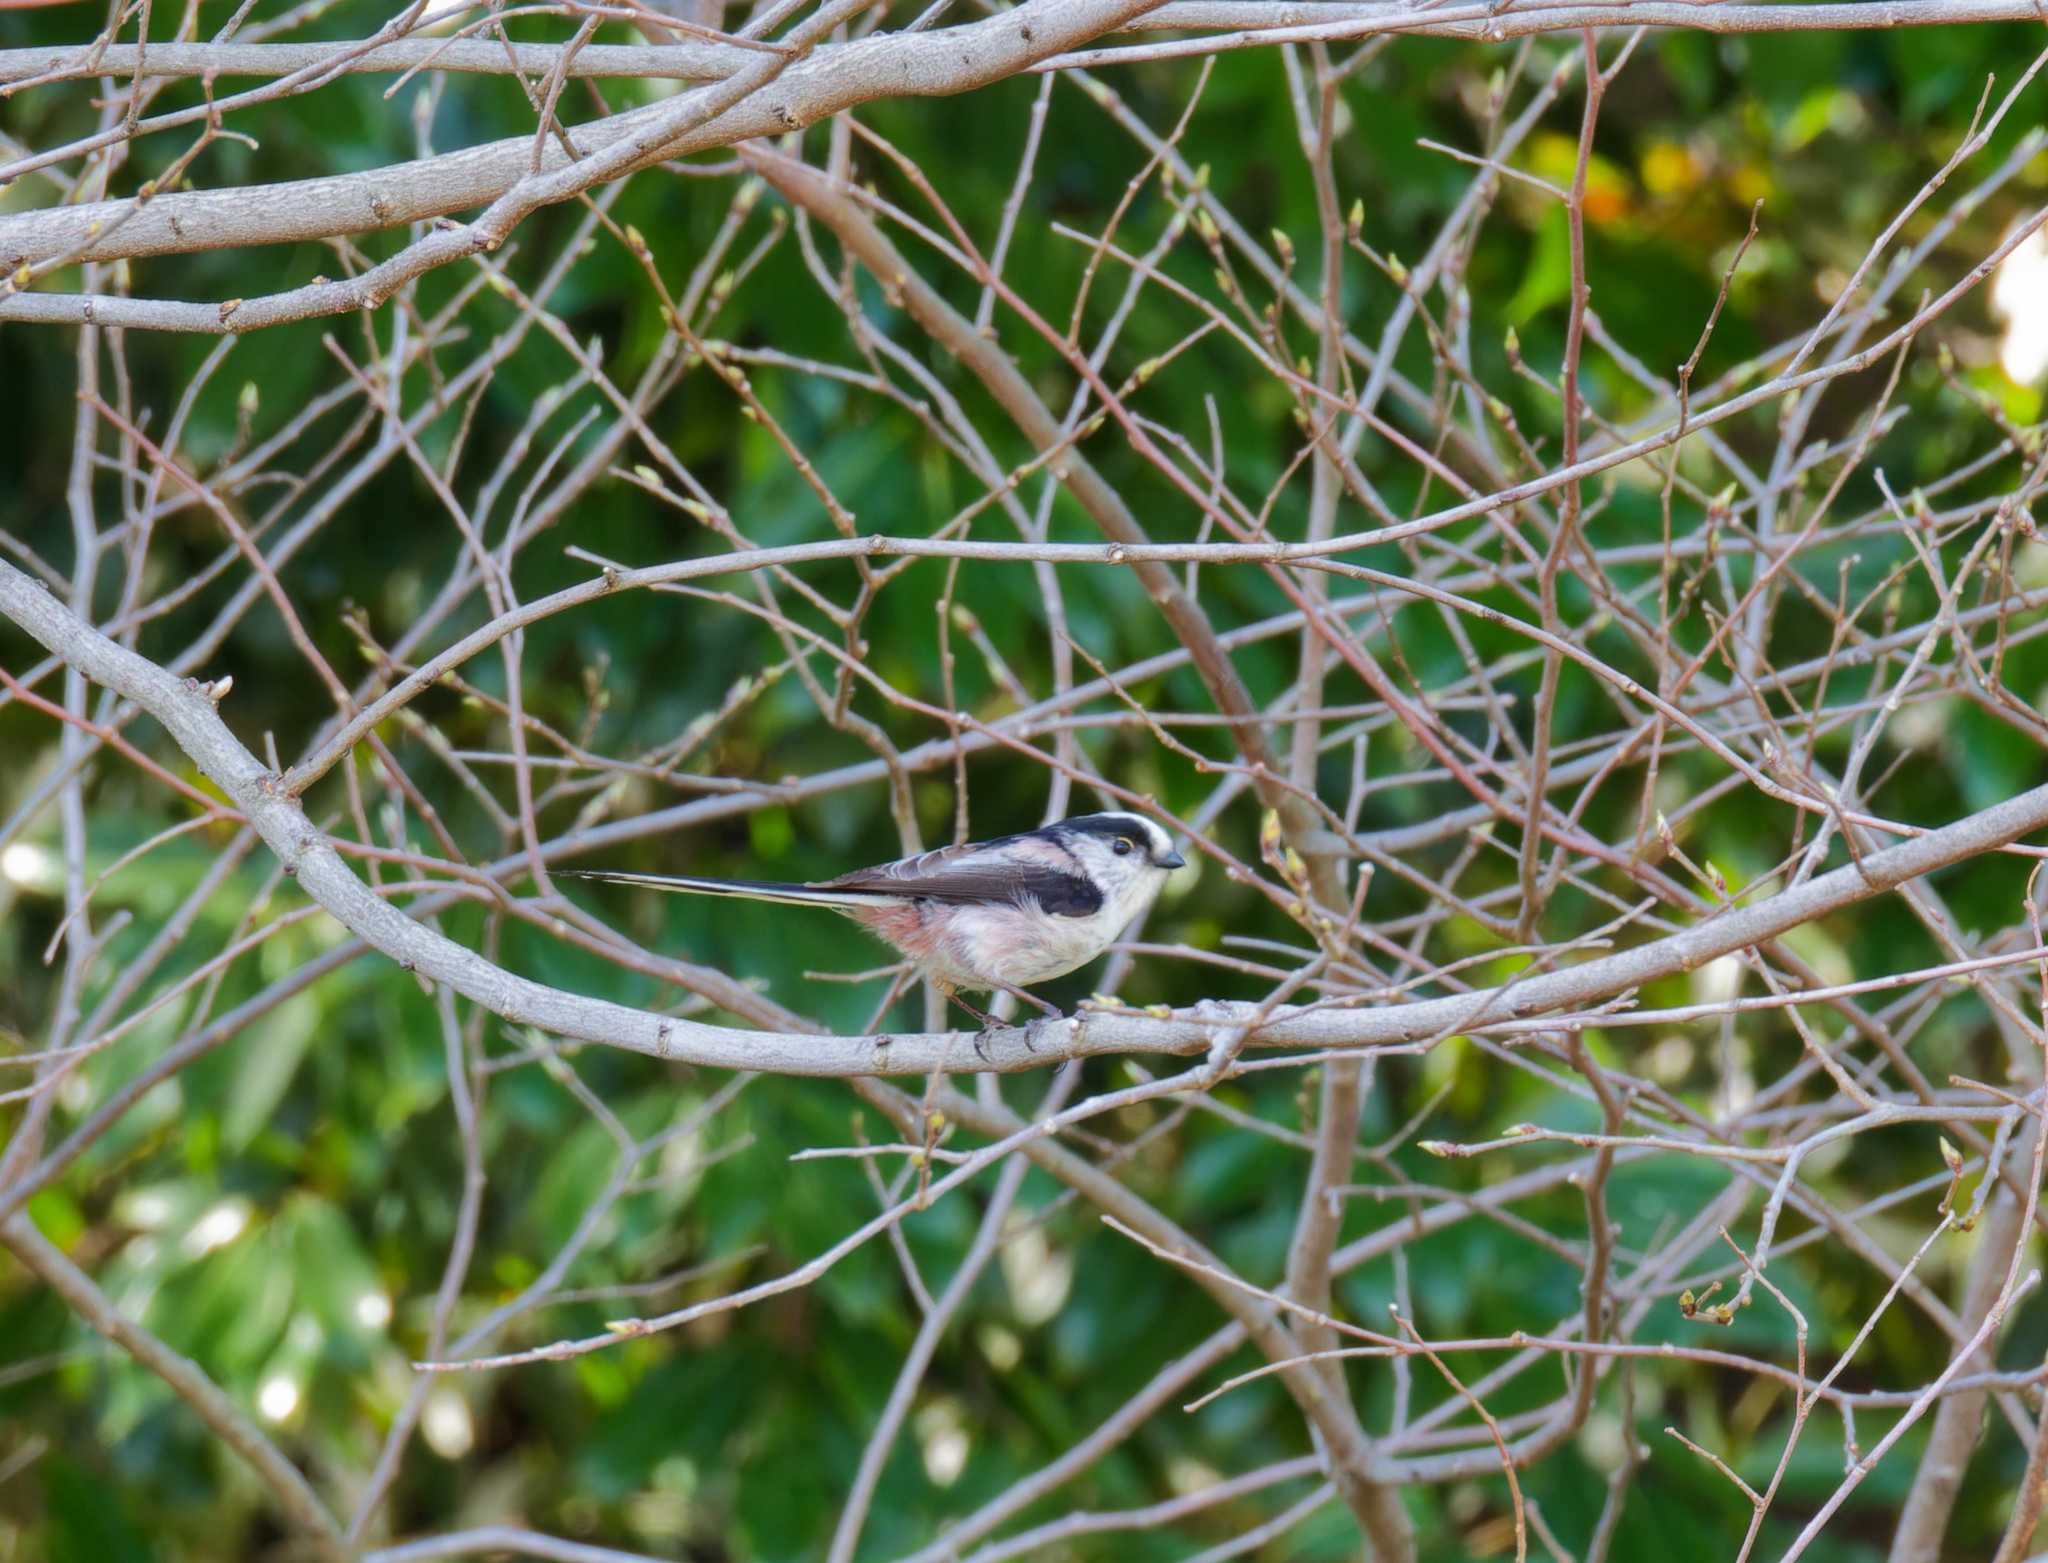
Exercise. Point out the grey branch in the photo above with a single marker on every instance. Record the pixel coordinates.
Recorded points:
(930, 64)
(1039, 35)
(192, 721)
(706, 61)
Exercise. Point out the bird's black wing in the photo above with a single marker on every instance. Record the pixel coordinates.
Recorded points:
(1016, 871)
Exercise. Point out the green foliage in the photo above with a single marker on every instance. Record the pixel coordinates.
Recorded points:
(281, 1209)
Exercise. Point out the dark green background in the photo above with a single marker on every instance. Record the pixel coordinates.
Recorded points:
(331, 1118)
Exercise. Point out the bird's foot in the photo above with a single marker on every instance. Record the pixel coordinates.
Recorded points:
(989, 1029)
(1041, 1023)
(989, 1023)
(1051, 1011)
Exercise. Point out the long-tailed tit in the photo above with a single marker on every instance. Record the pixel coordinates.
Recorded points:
(988, 915)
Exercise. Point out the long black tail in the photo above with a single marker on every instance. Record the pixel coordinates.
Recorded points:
(751, 889)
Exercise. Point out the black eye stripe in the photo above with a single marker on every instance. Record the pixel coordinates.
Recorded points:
(1117, 827)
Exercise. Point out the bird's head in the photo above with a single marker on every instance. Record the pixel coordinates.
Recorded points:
(1127, 855)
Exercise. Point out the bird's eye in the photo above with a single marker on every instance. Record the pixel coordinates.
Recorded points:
(1122, 847)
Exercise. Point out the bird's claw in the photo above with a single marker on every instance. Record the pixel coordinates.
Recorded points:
(1028, 1030)
(1032, 1027)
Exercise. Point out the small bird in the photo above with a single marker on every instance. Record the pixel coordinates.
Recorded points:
(989, 916)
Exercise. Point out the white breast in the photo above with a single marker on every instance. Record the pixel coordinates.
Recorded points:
(1018, 946)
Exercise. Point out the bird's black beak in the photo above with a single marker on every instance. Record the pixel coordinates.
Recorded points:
(1173, 860)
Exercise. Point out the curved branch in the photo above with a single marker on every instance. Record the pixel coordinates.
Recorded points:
(933, 64)
(189, 716)
(1264, 20)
